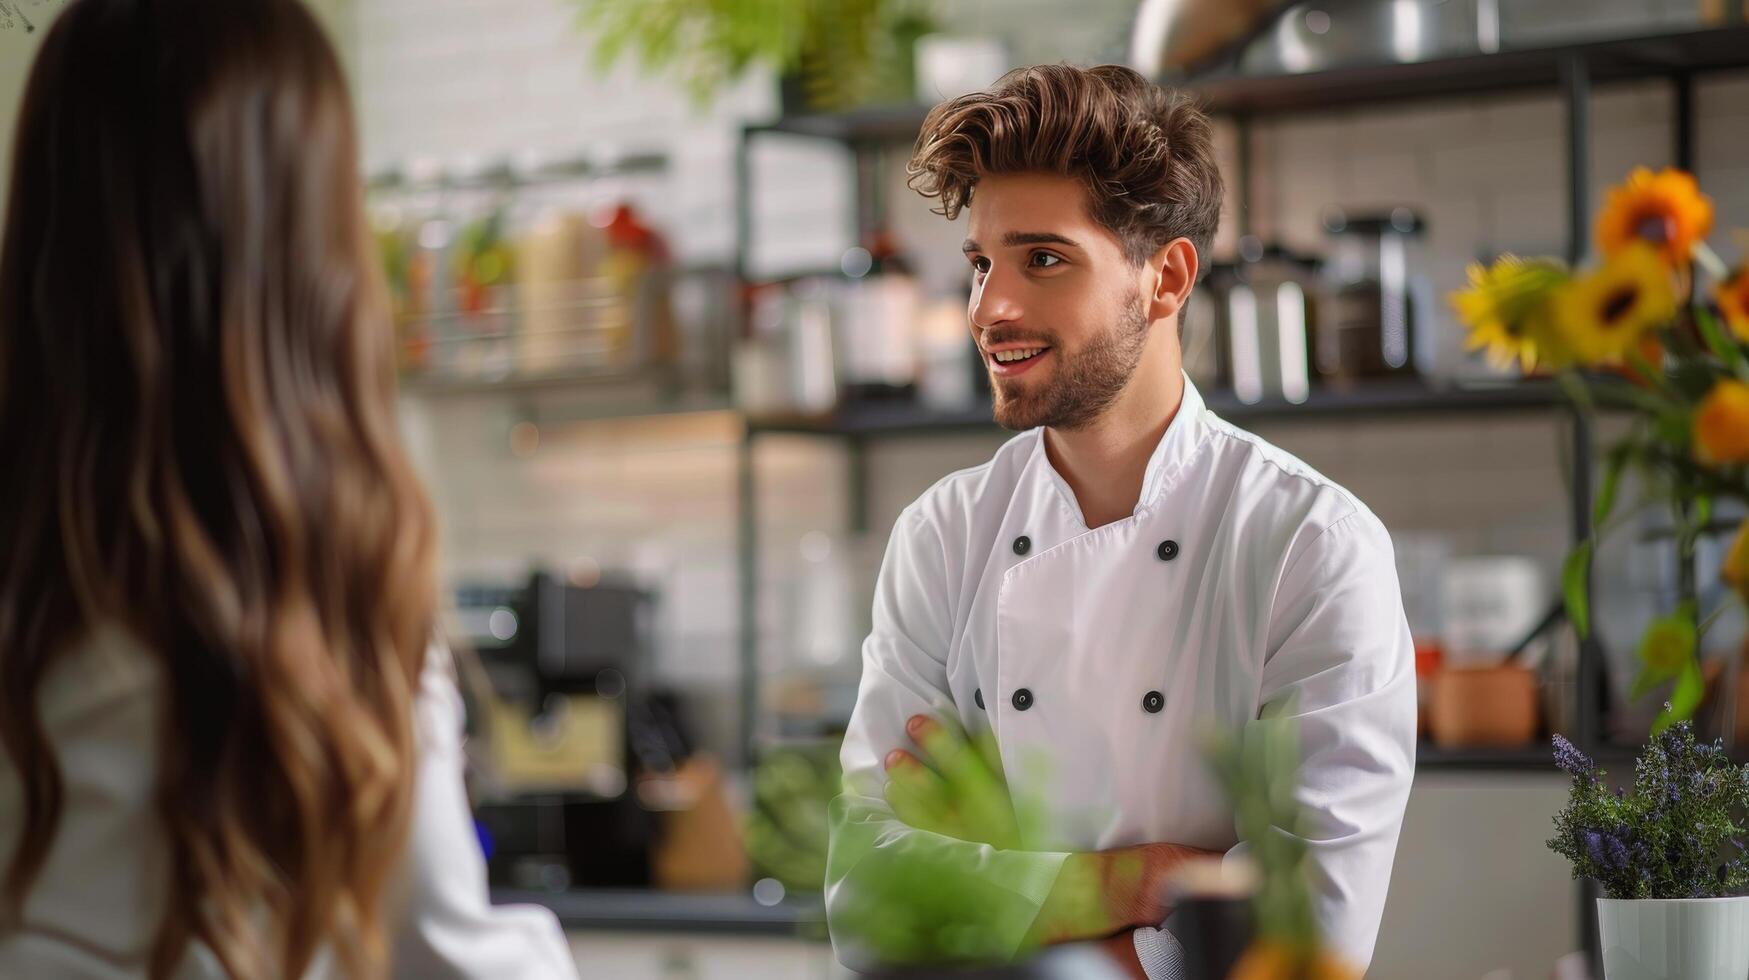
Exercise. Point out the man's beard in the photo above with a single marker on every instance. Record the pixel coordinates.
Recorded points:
(1083, 384)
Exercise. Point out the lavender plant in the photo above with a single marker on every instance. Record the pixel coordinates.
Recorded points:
(1675, 835)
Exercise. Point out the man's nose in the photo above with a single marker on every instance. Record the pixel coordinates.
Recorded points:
(994, 301)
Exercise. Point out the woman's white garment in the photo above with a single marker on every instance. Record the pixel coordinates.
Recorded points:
(1244, 581)
(94, 911)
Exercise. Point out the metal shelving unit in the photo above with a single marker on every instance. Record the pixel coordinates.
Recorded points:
(1571, 70)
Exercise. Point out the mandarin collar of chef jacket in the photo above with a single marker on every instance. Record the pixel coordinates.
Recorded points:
(1243, 582)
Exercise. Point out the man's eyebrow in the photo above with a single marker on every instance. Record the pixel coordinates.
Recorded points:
(1017, 238)
(1014, 238)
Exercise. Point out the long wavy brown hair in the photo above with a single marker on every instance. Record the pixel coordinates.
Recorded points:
(197, 424)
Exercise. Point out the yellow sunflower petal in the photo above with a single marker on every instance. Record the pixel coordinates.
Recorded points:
(1602, 316)
(1505, 309)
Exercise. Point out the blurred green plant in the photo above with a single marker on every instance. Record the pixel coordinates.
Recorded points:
(1259, 769)
(916, 901)
(843, 53)
(786, 830)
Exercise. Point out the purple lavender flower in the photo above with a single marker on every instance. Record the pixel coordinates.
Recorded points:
(1593, 846)
(1615, 853)
(1572, 761)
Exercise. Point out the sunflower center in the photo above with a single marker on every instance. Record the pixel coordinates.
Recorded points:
(1617, 304)
(1655, 227)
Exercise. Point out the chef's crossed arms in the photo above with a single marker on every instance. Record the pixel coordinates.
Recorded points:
(955, 788)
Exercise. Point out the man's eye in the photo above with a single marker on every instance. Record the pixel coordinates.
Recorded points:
(1045, 260)
(981, 265)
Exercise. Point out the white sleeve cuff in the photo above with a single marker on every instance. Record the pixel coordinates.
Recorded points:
(1161, 956)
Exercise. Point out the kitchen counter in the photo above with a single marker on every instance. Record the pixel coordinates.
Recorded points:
(641, 910)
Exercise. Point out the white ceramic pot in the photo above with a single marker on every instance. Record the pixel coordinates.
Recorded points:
(1674, 939)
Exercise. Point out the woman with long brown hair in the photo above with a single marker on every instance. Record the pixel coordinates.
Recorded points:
(227, 751)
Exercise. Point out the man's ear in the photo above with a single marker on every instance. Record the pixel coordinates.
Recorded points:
(1171, 273)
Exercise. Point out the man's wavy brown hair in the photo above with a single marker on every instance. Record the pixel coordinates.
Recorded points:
(1144, 153)
(197, 419)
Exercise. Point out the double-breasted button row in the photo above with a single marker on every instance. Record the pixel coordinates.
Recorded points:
(1152, 702)
(1021, 700)
(1167, 549)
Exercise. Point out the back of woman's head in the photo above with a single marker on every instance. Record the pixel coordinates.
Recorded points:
(196, 416)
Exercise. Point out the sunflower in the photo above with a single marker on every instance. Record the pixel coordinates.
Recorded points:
(1665, 210)
(1602, 316)
(1506, 309)
(1721, 424)
(1736, 569)
(1732, 296)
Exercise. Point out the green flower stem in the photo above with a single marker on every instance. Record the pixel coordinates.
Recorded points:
(1712, 618)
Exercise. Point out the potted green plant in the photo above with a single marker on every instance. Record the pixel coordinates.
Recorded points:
(1669, 855)
(831, 54)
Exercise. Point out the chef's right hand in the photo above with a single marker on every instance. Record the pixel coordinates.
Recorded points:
(955, 788)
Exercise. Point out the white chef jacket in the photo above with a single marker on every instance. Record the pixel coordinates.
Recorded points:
(1099, 658)
(94, 912)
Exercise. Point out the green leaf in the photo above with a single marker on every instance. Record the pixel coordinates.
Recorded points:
(1606, 491)
(1690, 687)
(1653, 376)
(1575, 588)
(1716, 341)
(1674, 428)
(1623, 394)
(1668, 645)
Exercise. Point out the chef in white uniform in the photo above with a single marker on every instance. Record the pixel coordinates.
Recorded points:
(1130, 571)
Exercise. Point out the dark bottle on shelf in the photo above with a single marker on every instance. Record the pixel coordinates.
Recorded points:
(877, 323)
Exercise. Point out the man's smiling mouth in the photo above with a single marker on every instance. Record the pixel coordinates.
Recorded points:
(1015, 361)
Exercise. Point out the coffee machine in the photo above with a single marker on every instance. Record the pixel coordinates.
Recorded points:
(564, 721)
